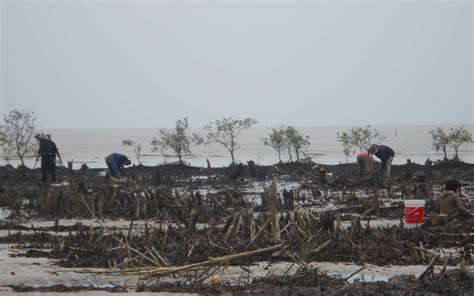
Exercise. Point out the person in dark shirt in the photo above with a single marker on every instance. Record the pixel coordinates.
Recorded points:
(386, 155)
(47, 151)
(116, 162)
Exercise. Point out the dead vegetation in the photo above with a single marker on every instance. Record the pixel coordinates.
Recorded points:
(190, 224)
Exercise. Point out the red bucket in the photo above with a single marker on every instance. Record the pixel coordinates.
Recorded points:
(415, 211)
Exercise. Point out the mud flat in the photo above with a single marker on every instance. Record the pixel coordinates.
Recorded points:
(274, 230)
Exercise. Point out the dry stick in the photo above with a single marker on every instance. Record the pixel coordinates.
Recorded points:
(259, 233)
(272, 206)
(289, 268)
(190, 252)
(130, 231)
(339, 224)
(114, 237)
(91, 233)
(239, 224)
(354, 273)
(115, 248)
(286, 231)
(211, 261)
(155, 271)
(367, 212)
(312, 216)
(124, 263)
(429, 267)
(422, 252)
(358, 219)
(129, 253)
(153, 256)
(252, 228)
(318, 249)
(139, 270)
(284, 228)
(298, 229)
(444, 265)
(233, 228)
(277, 233)
(159, 256)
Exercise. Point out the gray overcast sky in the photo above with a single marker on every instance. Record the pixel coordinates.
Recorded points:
(103, 64)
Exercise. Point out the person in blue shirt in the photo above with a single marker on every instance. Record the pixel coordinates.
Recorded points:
(116, 162)
(386, 155)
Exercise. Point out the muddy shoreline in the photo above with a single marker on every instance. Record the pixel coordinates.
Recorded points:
(179, 215)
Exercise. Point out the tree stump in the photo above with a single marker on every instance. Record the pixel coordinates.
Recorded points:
(69, 165)
(253, 170)
(156, 178)
(236, 172)
(288, 200)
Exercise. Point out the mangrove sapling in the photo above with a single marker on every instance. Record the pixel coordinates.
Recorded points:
(16, 134)
(277, 140)
(358, 138)
(178, 140)
(459, 136)
(441, 140)
(226, 131)
(296, 142)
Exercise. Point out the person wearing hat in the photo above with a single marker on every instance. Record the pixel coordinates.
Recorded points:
(47, 151)
(449, 202)
(116, 162)
(386, 155)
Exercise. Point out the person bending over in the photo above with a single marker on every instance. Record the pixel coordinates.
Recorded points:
(386, 155)
(116, 162)
(365, 162)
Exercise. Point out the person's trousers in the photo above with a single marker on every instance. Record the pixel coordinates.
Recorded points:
(386, 167)
(48, 166)
(112, 165)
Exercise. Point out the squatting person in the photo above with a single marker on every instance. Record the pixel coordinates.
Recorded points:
(450, 204)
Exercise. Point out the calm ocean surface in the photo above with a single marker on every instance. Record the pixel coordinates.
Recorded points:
(91, 146)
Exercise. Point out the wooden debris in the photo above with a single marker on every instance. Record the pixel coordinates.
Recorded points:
(354, 273)
(155, 271)
(429, 268)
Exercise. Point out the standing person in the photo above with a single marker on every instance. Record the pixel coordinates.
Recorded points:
(47, 151)
(365, 162)
(450, 204)
(386, 155)
(116, 162)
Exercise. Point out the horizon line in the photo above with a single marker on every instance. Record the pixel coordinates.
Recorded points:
(261, 126)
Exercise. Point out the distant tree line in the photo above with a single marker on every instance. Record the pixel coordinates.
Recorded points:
(18, 128)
